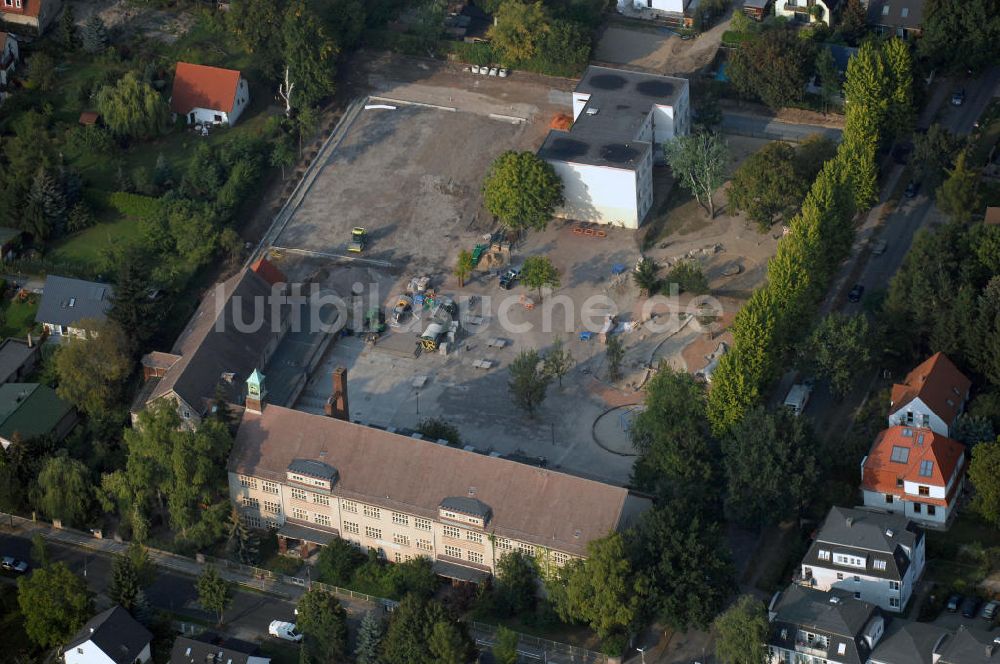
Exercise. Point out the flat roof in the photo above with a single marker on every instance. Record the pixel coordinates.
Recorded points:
(604, 133)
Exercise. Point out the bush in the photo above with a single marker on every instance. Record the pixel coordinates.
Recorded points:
(689, 277)
(436, 428)
(135, 205)
(476, 54)
(90, 139)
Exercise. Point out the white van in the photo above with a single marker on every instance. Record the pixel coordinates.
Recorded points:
(284, 630)
(797, 398)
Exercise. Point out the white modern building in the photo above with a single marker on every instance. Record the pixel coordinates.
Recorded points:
(111, 637)
(670, 6)
(208, 95)
(932, 396)
(621, 119)
(877, 556)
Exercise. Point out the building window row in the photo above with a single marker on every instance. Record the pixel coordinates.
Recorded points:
(373, 512)
(352, 528)
(422, 524)
(559, 558)
(474, 536)
(474, 557)
(349, 506)
(452, 551)
(298, 494)
(322, 520)
(251, 521)
(321, 500)
(503, 544)
(425, 545)
(248, 482)
(299, 513)
(249, 501)
(400, 519)
(269, 487)
(402, 540)
(373, 533)
(850, 561)
(452, 532)
(272, 507)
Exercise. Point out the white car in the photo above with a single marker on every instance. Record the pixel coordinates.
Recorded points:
(11, 564)
(284, 630)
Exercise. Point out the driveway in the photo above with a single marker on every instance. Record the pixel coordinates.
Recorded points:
(760, 126)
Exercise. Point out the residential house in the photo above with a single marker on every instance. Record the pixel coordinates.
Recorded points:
(899, 18)
(110, 637)
(315, 478)
(66, 302)
(35, 15)
(915, 472)
(909, 643)
(210, 648)
(969, 646)
(235, 329)
(877, 556)
(669, 6)
(807, 11)
(841, 56)
(17, 359)
(932, 396)
(208, 95)
(992, 216)
(758, 10)
(621, 119)
(30, 410)
(808, 625)
(9, 55)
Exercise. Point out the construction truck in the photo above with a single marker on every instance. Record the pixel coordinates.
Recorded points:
(401, 311)
(359, 238)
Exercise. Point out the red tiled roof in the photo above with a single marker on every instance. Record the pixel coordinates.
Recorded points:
(199, 86)
(89, 118)
(881, 472)
(28, 8)
(992, 215)
(938, 383)
(269, 272)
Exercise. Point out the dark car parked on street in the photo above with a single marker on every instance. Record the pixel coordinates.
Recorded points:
(954, 602)
(970, 607)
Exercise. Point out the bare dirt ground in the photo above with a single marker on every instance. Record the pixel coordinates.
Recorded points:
(128, 19)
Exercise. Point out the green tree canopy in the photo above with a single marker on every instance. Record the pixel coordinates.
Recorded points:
(132, 108)
(984, 472)
(323, 623)
(369, 639)
(932, 154)
(838, 350)
(92, 370)
(519, 28)
(958, 195)
(214, 592)
(517, 583)
(310, 54)
(528, 381)
(55, 604)
(766, 186)
(742, 633)
(65, 491)
(698, 161)
(774, 68)
(522, 190)
(539, 272)
(505, 646)
(962, 39)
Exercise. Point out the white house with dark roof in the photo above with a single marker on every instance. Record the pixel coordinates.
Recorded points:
(808, 625)
(211, 648)
(909, 643)
(878, 557)
(111, 637)
(66, 301)
(621, 119)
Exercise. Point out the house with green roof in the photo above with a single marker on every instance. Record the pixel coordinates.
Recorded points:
(30, 410)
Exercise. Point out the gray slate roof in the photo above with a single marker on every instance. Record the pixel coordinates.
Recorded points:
(867, 536)
(842, 621)
(116, 633)
(468, 506)
(970, 646)
(622, 100)
(313, 468)
(907, 642)
(66, 301)
(14, 353)
(198, 651)
(900, 13)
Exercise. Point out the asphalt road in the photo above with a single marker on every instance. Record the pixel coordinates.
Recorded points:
(247, 617)
(764, 127)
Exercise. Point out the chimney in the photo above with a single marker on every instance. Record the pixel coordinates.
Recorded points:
(336, 405)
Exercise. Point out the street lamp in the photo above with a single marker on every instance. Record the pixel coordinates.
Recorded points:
(642, 653)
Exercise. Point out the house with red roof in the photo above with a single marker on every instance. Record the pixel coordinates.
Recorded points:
(916, 472)
(9, 55)
(932, 396)
(208, 95)
(36, 15)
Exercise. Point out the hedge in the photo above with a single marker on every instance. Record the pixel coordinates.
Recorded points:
(134, 205)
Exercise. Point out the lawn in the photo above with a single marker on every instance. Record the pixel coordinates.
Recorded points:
(18, 318)
(88, 246)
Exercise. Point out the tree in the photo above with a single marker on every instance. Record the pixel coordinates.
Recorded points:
(774, 68)
(957, 196)
(959, 40)
(67, 33)
(770, 467)
(646, 276)
(252, 23)
(41, 71)
(698, 161)
(369, 639)
(46, 206)
(92, 370)
(528, 381)
(437, 428)
(970, 430)
(708, 114)
(984, 472)
(602, 590)
(283, 154)
(214, 592)
(615, 353)
(132, 307)
(131, 108)
(505, 646)
(55, 604)
(838, 350)
(517, 577)
(538, 272)
(405, 641)
(337, 562)
(463, 266)
(686, 566)
(39, 551)
(95, 34)
(899, 67)
(688, 276)
(557, 361)
(518, 30)
(309, 54)
(64, 490)
(671, 436)
(741, 632)
(829, 77)
(932, 153)
(767, 186)
(447, 644)
(125, 585)
(522, 190)
(323, 623)
(243, 544)
(853, 22)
